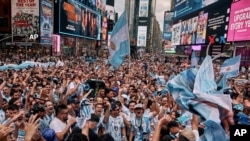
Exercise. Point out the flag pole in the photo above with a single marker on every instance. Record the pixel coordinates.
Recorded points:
(208, 46)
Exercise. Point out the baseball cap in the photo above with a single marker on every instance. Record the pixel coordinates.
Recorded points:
(73, 100)
(138, 106)
(94, 118)
(114, 105)
(243, 118)
(238, 107)
(125, 96)
(49, 135)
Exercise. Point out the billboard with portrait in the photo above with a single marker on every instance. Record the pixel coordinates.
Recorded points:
(176, 34)
(185, 7)
(189, 31)
(201, 28)
(25, 19)
(142, 36)
(143, 8)
(167, 31)
(239, 21)
(77, 20)
(217, 25)
(46, 22)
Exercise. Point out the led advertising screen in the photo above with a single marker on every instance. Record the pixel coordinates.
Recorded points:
(176, 34)
(56, 48)
(185, 7)
(217, 25)
(46, 22)
(142, 36)
(239, 21)
(143, 8)
(189, 31)
(77, 20)
(167, 32)
(201, 28)
(25, 19)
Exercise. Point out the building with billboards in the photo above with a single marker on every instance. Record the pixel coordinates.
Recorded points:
(79, 25)
(239, 30)
(27, 27)
(198, 24)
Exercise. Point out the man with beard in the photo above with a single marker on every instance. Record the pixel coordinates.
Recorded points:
(60, 124)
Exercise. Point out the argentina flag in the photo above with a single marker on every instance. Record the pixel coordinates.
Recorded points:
(194, 60)
(119, 42)
(231, 67)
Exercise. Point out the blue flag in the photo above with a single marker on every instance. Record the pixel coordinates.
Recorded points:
(231, 67)
(204, 81)
(204, 101)
(119, 42)
(194, 60)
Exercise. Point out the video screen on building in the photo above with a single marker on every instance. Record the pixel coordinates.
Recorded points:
(25, 20)
(143, 8)
(77, 20)
(201, 28)
(189, 31)
(239, 23)
(142, 36)
(46, 22)
(185, 7)
(217, 25)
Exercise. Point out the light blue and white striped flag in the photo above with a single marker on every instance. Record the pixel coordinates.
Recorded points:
(119, 42)
(204, 81)
(231, 67)
(194, 60)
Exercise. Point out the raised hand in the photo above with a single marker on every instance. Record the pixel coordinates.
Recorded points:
(31, 127)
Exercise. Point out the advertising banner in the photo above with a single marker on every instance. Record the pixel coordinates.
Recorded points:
(189, 31)
(25, 19)
(104, 28)
(217, 25)
(77, 20)
(46, 22)
(143, 8)
(201, 28)
(185, 7)
(142, 36)
(167, 31)
(176, 34)
(56, 47)
(239, 21)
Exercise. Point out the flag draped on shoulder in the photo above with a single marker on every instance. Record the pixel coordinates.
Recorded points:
(231, 67)
(119, 42)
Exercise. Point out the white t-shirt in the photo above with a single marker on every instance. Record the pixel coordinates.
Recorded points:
(58, 126)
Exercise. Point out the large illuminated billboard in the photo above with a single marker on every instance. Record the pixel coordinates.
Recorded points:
(239, 21)
(185, 7)
(77, 20)
(25, 19)
(46, 22)
(142, 36)
(201, 28)
(143, 8)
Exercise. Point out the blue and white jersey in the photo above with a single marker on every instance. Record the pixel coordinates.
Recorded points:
(114, 126)
(78, 92)
(141, 126)
(2, 116)
(99, 124)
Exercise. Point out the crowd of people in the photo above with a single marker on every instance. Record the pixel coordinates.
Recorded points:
(131, 103)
